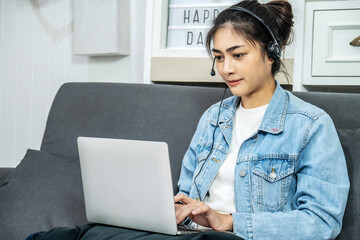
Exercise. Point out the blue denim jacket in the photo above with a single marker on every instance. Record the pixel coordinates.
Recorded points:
(304, 199)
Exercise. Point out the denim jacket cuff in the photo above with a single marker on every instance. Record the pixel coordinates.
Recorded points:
(183, 193)
(242, 224)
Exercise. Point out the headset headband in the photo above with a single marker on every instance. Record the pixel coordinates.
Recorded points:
(255, 16)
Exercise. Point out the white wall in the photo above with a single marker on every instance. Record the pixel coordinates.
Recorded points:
(36, 57)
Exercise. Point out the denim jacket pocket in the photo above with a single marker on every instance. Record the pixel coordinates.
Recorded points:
(271, 179)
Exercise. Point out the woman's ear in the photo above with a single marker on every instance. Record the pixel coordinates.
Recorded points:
(269, 59)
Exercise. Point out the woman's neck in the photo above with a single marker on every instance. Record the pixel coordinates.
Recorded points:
(260, 97)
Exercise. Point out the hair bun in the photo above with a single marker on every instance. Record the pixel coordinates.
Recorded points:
(283, 19)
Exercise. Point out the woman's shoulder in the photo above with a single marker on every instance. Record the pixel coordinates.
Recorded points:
(298, 106)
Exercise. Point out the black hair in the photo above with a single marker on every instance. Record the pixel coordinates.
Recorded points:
(277, 15)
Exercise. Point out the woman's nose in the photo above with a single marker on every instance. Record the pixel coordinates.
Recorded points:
(228, 67)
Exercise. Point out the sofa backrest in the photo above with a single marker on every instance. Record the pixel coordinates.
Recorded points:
(170, 113)
(126, 111)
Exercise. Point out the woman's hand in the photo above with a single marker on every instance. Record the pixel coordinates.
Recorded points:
(201, 214)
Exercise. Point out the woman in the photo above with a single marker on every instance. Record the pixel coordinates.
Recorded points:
(266, 165)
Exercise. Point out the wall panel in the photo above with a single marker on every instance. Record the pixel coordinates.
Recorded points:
(36, 58)
(2, 22)
(42, 65)
(9, 80)
(24, 80)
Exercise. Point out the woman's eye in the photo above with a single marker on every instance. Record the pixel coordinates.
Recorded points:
(240, 55)
(218, 58)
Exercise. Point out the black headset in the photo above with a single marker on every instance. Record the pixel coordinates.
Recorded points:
(274, 50)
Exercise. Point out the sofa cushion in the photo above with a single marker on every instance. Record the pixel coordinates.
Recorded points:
(4, 172)
(350, 141)
(44, 191)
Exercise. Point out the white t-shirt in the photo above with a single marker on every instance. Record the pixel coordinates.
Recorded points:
(221, 193)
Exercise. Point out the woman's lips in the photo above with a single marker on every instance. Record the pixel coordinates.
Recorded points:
(233, 83)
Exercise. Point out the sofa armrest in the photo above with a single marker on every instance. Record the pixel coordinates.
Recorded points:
(4, 172)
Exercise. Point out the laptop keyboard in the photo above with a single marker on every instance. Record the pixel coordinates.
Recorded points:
(183, 227)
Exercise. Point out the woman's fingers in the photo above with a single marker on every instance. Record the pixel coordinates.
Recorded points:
(182, 212)
(184, 199)
(201, 213)
(188, 210)
(203, 208)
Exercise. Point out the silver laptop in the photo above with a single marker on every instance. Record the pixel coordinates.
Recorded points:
(128, 184)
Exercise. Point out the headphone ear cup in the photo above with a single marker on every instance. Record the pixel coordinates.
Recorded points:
(274, 51)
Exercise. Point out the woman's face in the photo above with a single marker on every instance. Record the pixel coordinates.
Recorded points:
(243, 67)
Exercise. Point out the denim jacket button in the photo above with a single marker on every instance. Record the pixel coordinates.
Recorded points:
(273, 174)
(242, 173)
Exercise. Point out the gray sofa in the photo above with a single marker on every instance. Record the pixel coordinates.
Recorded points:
(44, 191)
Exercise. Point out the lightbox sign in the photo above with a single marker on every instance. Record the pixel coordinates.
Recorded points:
(190, 20)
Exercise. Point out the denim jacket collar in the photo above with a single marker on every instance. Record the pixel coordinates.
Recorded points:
(273, 120)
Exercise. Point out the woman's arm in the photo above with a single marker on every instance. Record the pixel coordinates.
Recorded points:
(189, 162)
